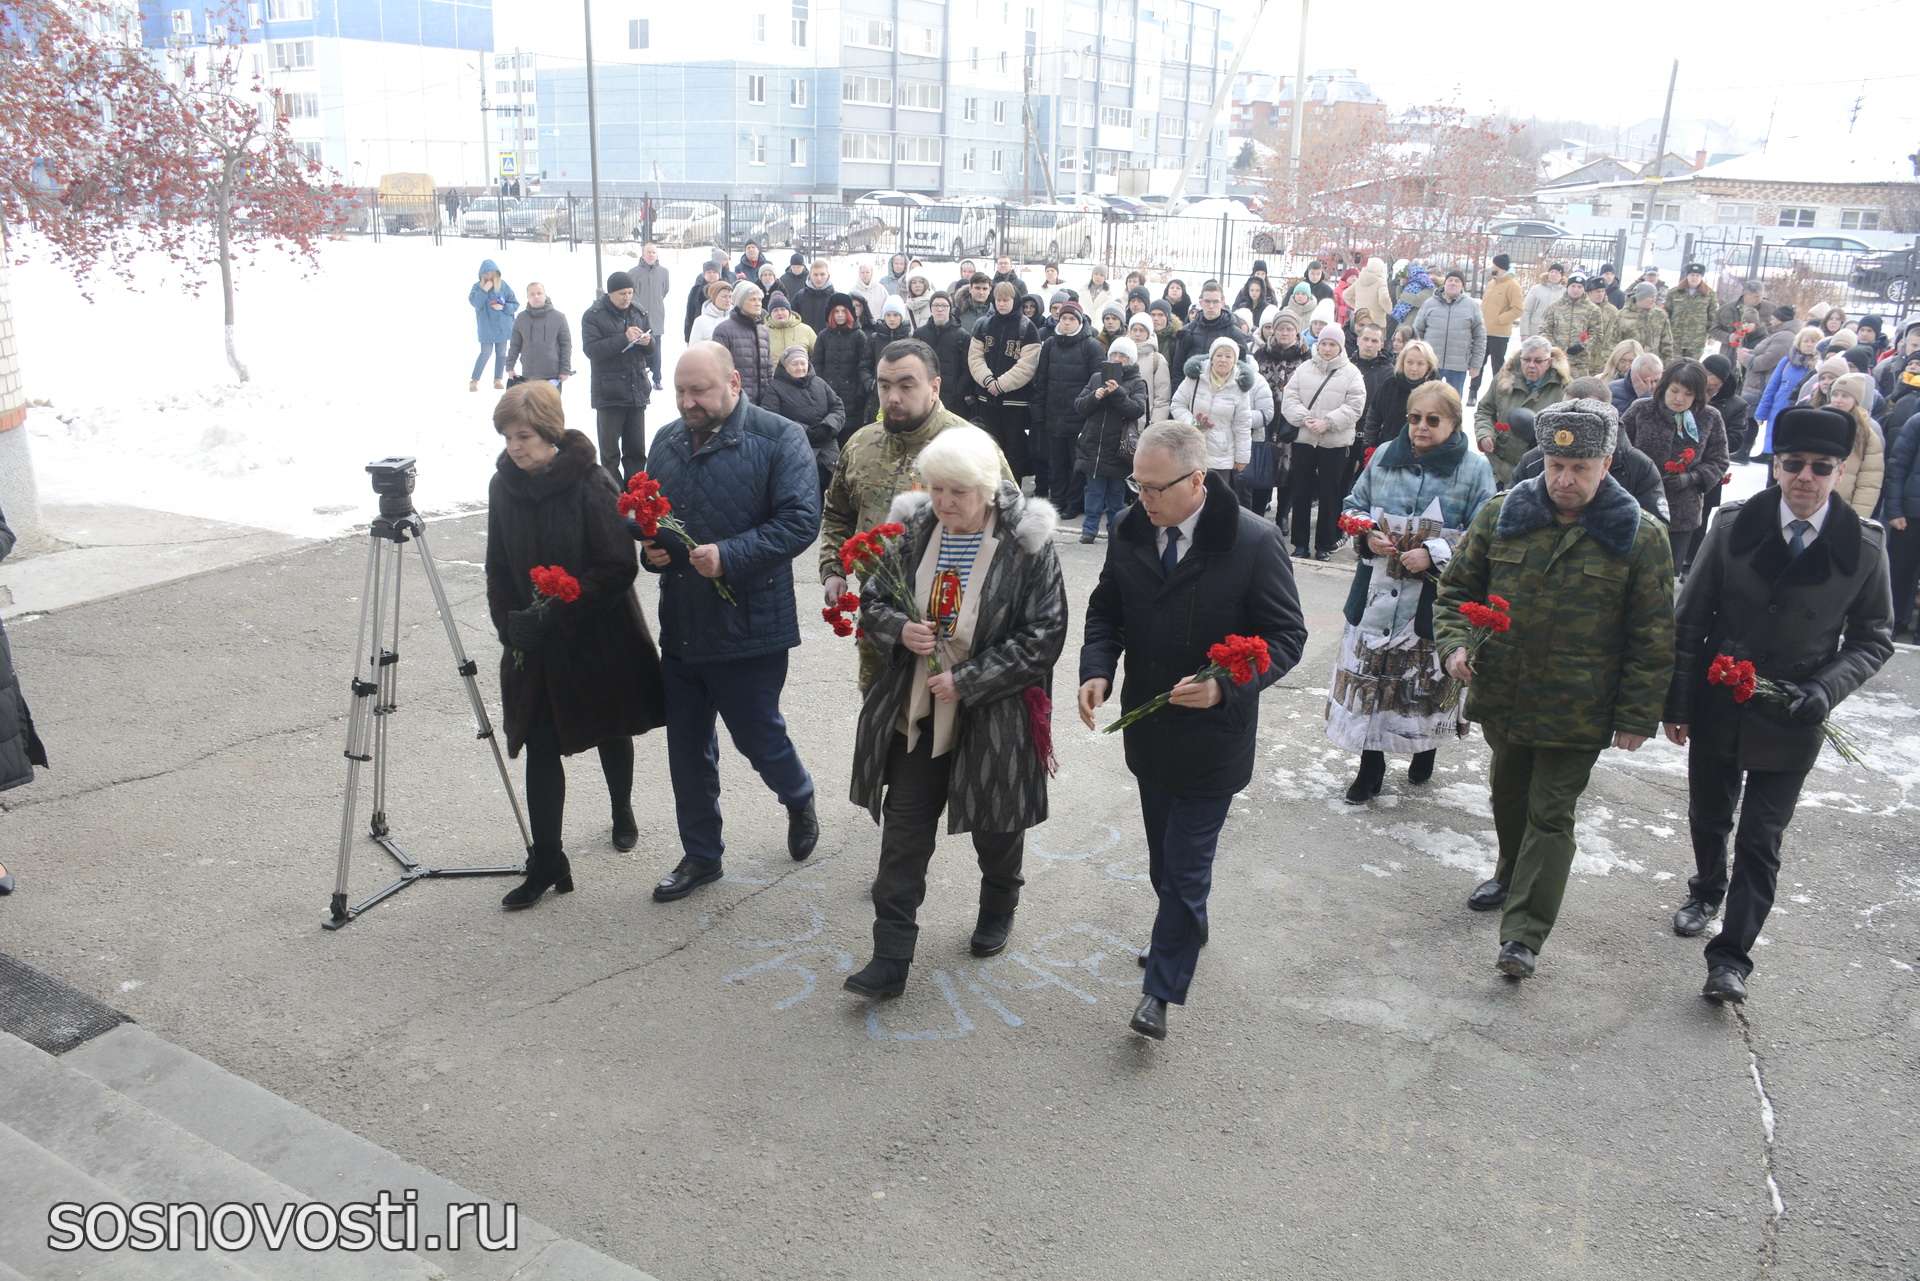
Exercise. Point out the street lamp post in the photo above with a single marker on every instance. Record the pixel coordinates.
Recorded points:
(593, 151)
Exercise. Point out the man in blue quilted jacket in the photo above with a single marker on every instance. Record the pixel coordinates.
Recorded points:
(742, 480)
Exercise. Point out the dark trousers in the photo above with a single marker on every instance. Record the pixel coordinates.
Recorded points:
(1534, 791)
(1182, 834)
(1713, 790)
(653, 362)
(1496, 354)
(1903, 563)
(1064, 484)
(745, 693)
(909, 824)
(623, 440)
(1682, 541)
(547, 780)
(1322, 474)
(1007, 424)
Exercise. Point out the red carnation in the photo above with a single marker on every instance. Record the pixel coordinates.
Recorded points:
(1499, 603)
(1238, 658)
(1503, 426)
(652, 512)
(869, 554)
(1745, 684)
(550, 583)
(1368, 456)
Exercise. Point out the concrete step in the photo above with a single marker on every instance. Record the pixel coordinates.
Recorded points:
(321, 1160)
(36, 1180)
(145, 1157)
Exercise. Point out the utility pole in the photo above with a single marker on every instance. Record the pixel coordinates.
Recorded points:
(1659, 153)
(1224, 93)
(593, 153)
(1299, 112)
(487, 182)
(519, 115)
(1026, 127)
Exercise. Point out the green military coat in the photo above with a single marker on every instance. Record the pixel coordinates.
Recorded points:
(1691, 313)
(1651, 329)
(1590, 653)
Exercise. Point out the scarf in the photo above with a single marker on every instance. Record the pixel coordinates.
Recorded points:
(1684, 424)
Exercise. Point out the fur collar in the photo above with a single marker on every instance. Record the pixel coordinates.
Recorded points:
(1756, 534)
(1510, 376)
(1197, 370)
(576, 460)
(1443, 461)
(1612, 518)
(1033, 519)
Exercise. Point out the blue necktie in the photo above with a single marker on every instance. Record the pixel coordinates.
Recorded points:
(1170, 554)
(1798, 543)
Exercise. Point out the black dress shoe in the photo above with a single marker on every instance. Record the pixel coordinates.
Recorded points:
(1301, 553)
(626, 832)
(990, 933)
(1693, 916)
(1323, 555)
(1150, 1018)
(1487, 895)
(803, 830)
(884, 976)
(1516, 961)
(685, 879)
(1422, 768)
(1724, 984)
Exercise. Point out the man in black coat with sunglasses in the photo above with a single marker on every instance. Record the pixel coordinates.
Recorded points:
(1795, 583)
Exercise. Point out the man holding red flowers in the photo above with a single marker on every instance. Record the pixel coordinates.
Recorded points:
(1790, 587)
(1186, 567)
(1588, 579)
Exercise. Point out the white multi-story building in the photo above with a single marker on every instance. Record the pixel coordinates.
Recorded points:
(516, 133)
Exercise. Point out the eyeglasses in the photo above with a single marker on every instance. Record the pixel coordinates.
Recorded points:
(1794, 466)
(1156, 491)
(1431, 420)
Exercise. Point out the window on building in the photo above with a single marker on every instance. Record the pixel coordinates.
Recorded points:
(1735, 214)
(637, 33)
(872, 91)
(756, 149)
(796, 93)
(296, 106)
(869, 33)
(757, 89)
(797, 152)
(970, 109)
(966, 160)
(999, 161)
(800, 23)
(182, 23)
(921, 95)
(289, 10)
(973, 59)
(999, 113)
(1033, 18)
(864, 146)
(1121, 117)
(1663, 211)
(759, 28)
(1795, 217)
(1859, 220)
(290, 55)
(918, 150)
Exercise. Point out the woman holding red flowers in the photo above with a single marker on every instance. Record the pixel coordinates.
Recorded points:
(1389, 693)
(1685, 437)
(958, 719)
(587, 674)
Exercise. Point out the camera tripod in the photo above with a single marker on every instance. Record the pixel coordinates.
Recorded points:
(375, 698)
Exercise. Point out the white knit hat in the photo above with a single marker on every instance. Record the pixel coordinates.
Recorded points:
(1124, 347)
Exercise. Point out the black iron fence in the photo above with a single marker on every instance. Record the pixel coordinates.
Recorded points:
(1882, 281)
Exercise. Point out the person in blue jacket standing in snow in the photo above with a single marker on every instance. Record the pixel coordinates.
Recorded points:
(493, 306)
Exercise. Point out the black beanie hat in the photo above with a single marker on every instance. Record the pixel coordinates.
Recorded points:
(1502, 261)
(617, 281)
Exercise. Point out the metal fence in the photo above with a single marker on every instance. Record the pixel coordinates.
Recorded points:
(1879, 281)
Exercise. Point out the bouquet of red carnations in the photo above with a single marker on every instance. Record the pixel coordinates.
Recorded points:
(1746, 684)
(1674, 466)
(550, 583)
(839, 616)
(652, 511)
(1239, 658)
(1485, 619)
(869, 554)
(1356, 524)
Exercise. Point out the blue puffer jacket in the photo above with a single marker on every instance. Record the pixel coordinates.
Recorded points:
(754, 492)
(494, 326)
(1783, 388)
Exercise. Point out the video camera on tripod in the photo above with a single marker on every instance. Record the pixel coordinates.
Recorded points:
(375, 689)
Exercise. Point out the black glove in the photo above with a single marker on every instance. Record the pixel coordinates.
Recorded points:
(1809, 703)
(1577, 349)
(528, 629)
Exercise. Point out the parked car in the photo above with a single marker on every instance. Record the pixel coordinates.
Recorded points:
(1891, 274)
(539, 218)
(769, 226)
(952, 231)
(1527, 239)
(686, 222)
(840, 229)
(485, 216)
(1834, 258)
(1049, 233)
(892, 200)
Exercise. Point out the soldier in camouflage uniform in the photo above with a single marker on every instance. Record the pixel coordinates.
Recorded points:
(1606, 330)
(1588, 577)
(1570, 325)
(1745, 314)
(1690, 309)
(1646, 324)
(878, 463)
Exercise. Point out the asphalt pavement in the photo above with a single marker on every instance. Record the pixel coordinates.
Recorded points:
(1351, 1091)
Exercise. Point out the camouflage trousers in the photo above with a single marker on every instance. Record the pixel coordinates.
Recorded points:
(1535, 790)
(870, 664)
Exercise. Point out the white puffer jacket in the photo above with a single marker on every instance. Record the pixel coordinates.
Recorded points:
(1334, 391)
(1228, 410)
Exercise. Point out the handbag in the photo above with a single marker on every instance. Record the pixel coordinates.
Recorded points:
(1263, 466)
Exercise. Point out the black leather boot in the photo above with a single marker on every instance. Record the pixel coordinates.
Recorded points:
(990, 933)
(1422, 768)
(1366, 786)
(883, 976)
(626, 831)
(547, 868)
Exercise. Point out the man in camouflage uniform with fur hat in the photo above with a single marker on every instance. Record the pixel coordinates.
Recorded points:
(1691, 305)
(1571, 324)
(1588, 577)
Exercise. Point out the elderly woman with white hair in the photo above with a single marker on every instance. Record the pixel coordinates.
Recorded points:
(959, 719)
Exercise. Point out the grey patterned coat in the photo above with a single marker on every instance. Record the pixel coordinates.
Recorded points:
(999, 783)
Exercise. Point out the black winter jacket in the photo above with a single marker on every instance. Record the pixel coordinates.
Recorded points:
(1826, 618)
(840, 357)
(949, 343)
(813, 306)
(745, 337)
(598, 675)
(1199, 334)
(20, 747)
(1235, 578)
(816, 406)
(620, 374)
(1108, 422)
(1065, 366)
(1386, 415)
(696, 299)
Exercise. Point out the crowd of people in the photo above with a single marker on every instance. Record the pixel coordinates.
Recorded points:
(1197, 439)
